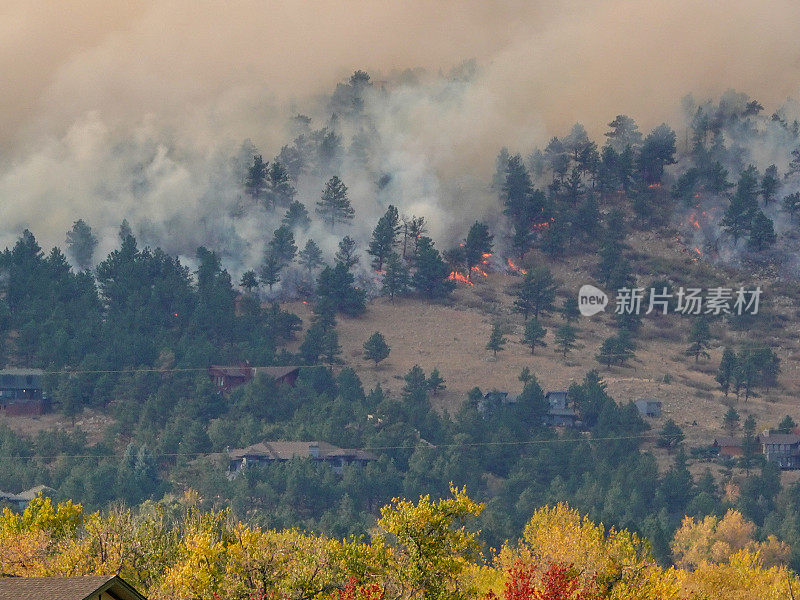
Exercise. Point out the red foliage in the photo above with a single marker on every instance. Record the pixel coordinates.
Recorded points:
(557, 582)
(353, 591)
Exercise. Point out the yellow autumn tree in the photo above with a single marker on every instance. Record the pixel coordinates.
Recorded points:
(715, 540)
(618, 561)
(432, 550)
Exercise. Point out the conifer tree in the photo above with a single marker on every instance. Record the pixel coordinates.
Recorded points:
(376, 349)
(497, 341)
(436, 382)
(334, 206)
(384, 237)
(565, 338)
(296, 216)
(346, 254)
(699, 337)
(396, 278)
(282, 245)
(311, 256)
(534, 335)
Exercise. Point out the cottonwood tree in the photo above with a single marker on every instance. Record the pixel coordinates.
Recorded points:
(334, 206)
(376, 349)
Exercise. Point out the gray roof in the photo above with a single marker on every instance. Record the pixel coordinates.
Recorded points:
(780, 438)
(727, 441)
(34, 491)
(65, 588)
(288, 450)
(20, 371)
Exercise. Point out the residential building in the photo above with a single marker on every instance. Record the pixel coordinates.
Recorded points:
(225, 378)
(728, 446)
(782, 449)
(494, 400)
(22, 392)
(648, 407)
(562, 413)
(281, 451)
(20, 501)
(91, 587)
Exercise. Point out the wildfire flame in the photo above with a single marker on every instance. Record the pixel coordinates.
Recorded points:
(515, 268)
(456, 276)
(542, 225)
(477, 269)
(654, 186)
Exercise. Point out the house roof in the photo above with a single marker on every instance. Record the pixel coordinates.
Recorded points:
(276, 372)
(727, 441)
(232, 371)
(19, 371)
(288, 450)
(34, 491)
(65, 588)
(780, 438)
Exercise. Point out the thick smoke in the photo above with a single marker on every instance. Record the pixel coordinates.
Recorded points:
(140, 112)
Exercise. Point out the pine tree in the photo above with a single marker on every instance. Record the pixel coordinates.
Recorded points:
(270, 272)
(430, 278)
(730, 421)
(376, 349)
(699, 337)
(534, 334)
(346, 254)
(727, 368)
(738, 217)
(525, 375)
(81, 243)
(770, 184)
(256, 182)
(384, 237)
(536, 293)
(565, 337)
(670, 436)
(762, 233)
(570, 311)
(249, 281)
(280, 191)
(334, 206)
(396, 279)
(477, 243)
(282, 245)
(497, 341)
(791, 205)
(296, 216)
(435, 382)
(310, 257)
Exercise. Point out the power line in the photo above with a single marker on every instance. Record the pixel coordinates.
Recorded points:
(370, 448)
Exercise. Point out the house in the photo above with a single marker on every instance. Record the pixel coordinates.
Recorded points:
(648, 407)
(728, 446)
(22, 392)
(280, 451)
(225, 378)
(494, 400)
(560, 413)
(91, 587)
(20, 501)
(782, 449)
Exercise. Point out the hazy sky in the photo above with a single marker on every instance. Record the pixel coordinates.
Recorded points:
(550, 61)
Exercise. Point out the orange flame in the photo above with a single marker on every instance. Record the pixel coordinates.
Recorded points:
(654, 186)
(456, 276)
(477, 269)
(514, 267)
